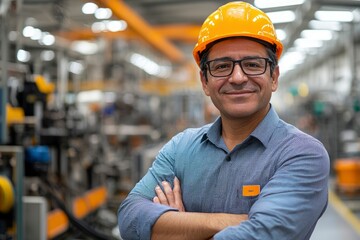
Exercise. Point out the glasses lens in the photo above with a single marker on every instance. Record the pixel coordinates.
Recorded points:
(221, 68)
(254, 66)
(224, 67)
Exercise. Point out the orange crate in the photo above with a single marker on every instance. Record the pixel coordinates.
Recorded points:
(348, 174)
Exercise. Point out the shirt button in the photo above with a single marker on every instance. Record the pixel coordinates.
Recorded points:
(228, 158)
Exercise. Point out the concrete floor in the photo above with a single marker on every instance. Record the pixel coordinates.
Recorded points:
(338, 222)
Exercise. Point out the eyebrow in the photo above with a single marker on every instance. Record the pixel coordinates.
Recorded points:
(229, 58)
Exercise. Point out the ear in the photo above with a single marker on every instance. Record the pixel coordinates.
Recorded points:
(275, 79)
(204, 82)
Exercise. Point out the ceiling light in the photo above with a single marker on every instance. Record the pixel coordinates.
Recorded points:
(106, 25)
(47, 39)
(23, 55)
(89, 8)
(36, 34)
(337, 16)
(103, 13)
(47, 55)
(115, 26)
(315, 24)
(97, 27)
(307, 43)
(281, 16)
(150, 66)
(76, 67)
(279, 3)
(281, 34)
(144, 63)
(85, 47)
(28, 31)
(294, 57)
(290, 60)
(317, 34)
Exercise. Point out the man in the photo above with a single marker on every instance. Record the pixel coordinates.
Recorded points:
(249, 175)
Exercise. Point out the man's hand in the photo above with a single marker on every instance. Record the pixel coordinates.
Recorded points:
(187, 225)
(170, 197)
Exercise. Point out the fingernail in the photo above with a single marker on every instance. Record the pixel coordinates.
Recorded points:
(164, 182)
(157, 187)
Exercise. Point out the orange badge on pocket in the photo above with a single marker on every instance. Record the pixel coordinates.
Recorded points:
(250, 190)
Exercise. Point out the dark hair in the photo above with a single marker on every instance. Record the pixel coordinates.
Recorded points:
(270, 49)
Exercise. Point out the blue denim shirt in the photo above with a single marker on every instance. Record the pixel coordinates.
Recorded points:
(278, 176)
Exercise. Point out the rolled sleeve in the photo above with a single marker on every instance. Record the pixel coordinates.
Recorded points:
(137, 213)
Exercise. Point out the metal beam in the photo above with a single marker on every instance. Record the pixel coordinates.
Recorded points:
(139, 25)
(176, 32)
(180, 32)
(304, 14)
(339, 3)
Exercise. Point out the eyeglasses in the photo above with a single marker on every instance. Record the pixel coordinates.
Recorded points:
(225, 67)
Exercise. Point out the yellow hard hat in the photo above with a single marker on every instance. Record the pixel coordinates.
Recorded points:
(236, 19)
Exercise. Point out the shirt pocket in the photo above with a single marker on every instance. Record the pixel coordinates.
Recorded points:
(244, 203)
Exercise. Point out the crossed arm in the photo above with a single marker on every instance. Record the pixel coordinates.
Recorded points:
(184, 225)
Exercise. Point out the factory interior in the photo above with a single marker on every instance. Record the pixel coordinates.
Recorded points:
(91, 90)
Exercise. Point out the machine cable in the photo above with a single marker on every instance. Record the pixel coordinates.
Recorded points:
(79, 224)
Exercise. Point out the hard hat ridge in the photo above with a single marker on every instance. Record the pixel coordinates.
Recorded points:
(236, 19)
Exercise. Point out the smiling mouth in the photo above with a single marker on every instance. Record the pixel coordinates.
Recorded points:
(239, 92)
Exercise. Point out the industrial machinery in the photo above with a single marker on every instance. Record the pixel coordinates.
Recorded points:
(48, 188)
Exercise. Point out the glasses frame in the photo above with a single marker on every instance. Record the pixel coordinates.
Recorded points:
(267, 60)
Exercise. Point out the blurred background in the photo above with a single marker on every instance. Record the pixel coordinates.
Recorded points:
(91, 90)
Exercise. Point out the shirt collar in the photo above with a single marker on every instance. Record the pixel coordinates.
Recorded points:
(266, 127)
(214, 132)
(262, 132)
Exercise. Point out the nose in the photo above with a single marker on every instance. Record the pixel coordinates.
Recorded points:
(238, 76)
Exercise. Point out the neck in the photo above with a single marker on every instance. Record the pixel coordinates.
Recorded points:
(236, 130)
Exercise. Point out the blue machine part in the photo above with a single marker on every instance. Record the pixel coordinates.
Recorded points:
(38, 154)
